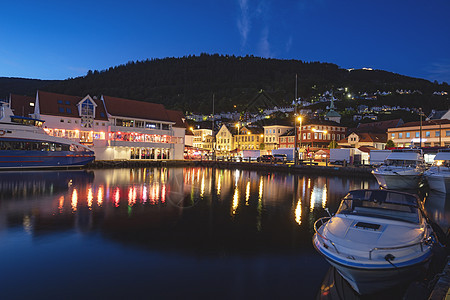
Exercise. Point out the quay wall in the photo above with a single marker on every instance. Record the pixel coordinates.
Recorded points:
(267, 167)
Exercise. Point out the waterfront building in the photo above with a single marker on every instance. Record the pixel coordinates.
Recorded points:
(272, 135)
(115, 128)
(203, 138)
(364, 139)
(317, 134)
(224, 140)
(432, 133)
(249, 138)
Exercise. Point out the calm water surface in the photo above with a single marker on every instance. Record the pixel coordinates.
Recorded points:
(166, 233)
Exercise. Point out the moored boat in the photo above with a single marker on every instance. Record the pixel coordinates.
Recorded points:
(438, 176)
(25, 144)
(403, 169)
(377, 239)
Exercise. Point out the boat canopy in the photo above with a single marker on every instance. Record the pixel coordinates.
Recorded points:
(442, 156)
(381, 204)
(413, 156)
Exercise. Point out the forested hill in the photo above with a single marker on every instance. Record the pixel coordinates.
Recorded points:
(188, 83)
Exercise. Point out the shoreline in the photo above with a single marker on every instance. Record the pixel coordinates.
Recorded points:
(279, 167)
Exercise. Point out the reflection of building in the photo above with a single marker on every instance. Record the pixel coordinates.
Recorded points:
(115, 128)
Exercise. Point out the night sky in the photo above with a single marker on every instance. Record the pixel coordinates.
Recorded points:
(61, 39)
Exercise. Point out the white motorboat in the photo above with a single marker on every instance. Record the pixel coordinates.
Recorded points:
(377, 239)
(25, 144)
(403, 170)
(438, 176)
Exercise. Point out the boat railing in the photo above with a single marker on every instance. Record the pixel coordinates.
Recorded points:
(426, 241)
(316, 230)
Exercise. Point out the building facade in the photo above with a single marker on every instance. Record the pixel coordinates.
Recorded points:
(432, 133)
(249, 139)
(317, 134)
(272, 134)
(115, 128)
(202, 138)
(372, 140)
(224, 140)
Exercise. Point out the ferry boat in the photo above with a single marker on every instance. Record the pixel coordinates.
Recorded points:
(377, 239)
(403, 170)
(25, 144)
(438, 176)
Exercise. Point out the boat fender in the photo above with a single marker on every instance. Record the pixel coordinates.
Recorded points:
(2, 132)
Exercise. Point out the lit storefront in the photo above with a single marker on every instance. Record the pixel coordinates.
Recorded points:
(115, 128)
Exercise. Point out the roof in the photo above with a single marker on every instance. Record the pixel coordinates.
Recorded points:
(177, 117)
(120, 107)
(372, 137)
(20, 105)
(332, 113)
(290, 132)
(426, 123)
(378, 127)
(323, 122)
(65, 105)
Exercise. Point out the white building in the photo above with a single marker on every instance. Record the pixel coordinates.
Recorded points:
(115, 128)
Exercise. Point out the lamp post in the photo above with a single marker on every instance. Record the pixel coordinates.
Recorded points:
(299, 118)
(237, 138)
(420, 133)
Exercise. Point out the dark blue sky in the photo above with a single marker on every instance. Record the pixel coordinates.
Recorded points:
(61, 39)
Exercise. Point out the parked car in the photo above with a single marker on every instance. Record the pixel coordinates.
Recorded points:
(280, 158)
(265, 158)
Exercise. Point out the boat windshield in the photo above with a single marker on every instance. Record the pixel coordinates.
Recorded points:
(402, 163)
(381, 204)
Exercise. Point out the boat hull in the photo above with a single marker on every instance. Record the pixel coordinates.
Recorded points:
(398, 181)
(43, 159)
(366, 279)
(438, 182)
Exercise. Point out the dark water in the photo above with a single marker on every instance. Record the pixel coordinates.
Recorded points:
(165, 233)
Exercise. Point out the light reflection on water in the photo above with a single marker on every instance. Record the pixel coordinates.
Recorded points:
(231, 222)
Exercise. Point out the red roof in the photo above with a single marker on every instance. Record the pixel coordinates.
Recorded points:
(135, 109)
(372, 137)
(20, 105)
(66, 106)
(177, 117)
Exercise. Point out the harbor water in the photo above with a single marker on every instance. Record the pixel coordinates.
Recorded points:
(152, 233)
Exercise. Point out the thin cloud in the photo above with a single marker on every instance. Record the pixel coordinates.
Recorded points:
(264, 44)
(243, 23)
(289, 44)
(440, 71)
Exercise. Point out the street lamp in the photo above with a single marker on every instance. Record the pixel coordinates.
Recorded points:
(237, 125)
(299, 118)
